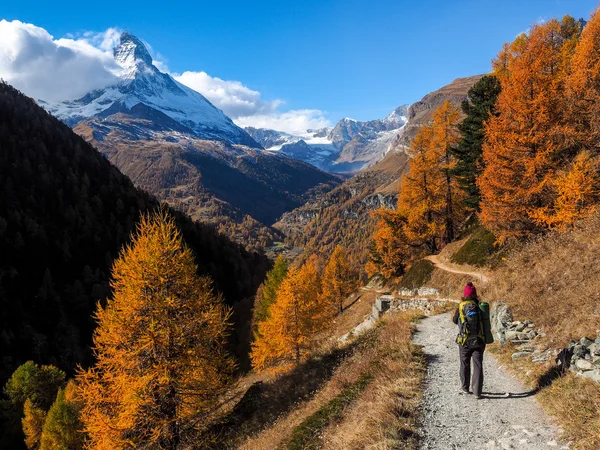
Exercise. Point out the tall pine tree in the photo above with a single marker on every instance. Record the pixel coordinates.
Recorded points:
(478, 106)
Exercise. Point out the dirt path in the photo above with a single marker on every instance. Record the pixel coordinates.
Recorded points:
(498, 421)
(440, 265)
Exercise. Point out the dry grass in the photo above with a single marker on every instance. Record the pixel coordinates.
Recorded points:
(370, 396)
(356, 308)
(277, 433)
(576, 403)
(555, 281)
(385, 415)
(265, 408)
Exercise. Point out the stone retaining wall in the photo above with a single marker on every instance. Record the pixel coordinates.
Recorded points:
(385, 303)
(581, 357)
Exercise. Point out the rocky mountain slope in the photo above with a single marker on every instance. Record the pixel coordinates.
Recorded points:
(343, 216)
(348, 147)
(174, 143)
(240, 189)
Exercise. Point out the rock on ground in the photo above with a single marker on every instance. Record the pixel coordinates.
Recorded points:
(498, 421)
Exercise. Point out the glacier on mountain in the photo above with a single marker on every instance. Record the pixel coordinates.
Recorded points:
(350, 146)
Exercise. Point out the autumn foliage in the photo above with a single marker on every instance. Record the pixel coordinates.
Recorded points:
(430, 203)
(339, 280)
(161, 364)
(295, 320)
(268, 290)
(540, 168)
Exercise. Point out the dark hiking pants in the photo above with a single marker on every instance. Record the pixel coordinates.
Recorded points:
(466, 356)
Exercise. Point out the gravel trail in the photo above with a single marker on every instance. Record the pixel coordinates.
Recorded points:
(453, 421)
(440, 265)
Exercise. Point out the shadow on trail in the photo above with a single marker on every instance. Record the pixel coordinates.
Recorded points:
(544, 380)
(508, 395)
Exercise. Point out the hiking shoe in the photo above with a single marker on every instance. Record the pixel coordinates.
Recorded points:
(464, 392)
(478, 397)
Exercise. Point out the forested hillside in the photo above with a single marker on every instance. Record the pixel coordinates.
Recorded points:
(65, 213)
(344, 215)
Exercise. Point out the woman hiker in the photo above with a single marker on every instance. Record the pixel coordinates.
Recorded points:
(471, 341)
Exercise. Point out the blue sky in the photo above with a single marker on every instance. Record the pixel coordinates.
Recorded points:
(347, 58)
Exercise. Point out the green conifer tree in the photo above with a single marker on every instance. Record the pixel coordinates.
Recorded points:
(478, 106)
(268, 293)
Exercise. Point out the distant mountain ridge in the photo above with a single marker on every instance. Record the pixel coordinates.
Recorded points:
(350, 146)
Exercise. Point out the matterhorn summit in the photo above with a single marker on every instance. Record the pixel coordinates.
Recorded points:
(142, 87)
(132, 54)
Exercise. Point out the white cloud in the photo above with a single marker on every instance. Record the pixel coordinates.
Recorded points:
(294, 122)
(246, 107)
(52, 69)
(235, 99)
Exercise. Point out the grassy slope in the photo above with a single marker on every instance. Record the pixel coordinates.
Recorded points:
(365, 392)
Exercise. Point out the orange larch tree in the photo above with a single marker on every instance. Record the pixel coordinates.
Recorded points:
(430, 202)
(160, 347)
(296, 319)
(578, 193)
(528, 138)
(583, 86)
(390, 252)
(421, 199)
(445, 136)
(339, 280)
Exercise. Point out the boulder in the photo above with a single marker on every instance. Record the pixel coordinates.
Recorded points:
(542, 357)
(511, 335)
(592, 375)
(500, 318)
(520, 327)
(525, 348)
(583, 364)
(585, 341)
(531, 334)
(579, 351)
(518, 355)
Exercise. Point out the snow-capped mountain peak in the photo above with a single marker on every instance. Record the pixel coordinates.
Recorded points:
(141, 86)
(349, 146)
(398, 116)
(132, 54)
